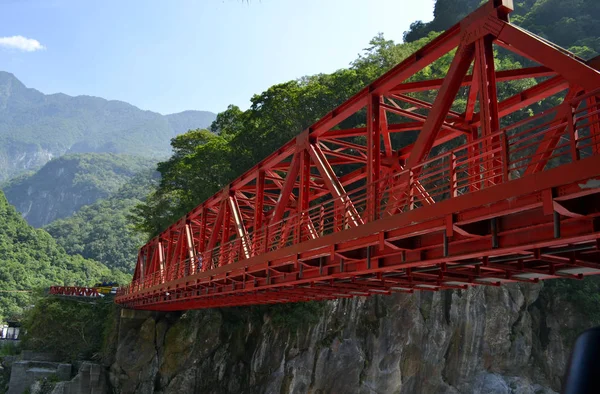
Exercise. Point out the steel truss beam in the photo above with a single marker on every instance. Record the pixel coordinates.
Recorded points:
(482, 197)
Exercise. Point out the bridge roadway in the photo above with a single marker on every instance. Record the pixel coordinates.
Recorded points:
(487, 194)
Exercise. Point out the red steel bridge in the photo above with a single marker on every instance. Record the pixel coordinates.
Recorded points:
(485, 194)
(74, 291)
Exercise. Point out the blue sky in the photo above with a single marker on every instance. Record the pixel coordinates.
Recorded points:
(172, 55)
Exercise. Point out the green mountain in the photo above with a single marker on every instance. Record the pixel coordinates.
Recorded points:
(64, 185)
(30, 258)
(35, 127)
(102, 231)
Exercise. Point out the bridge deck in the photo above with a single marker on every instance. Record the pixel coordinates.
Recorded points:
(479, 198)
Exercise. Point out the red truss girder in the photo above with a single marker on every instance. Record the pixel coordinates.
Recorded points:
(513, 198)
(74, 291)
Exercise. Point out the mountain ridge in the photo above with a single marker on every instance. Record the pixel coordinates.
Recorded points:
(36, 127)
(101, 231)
(67, 183)
(13, 78)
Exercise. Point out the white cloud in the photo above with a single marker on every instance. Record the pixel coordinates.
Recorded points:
(21, 43)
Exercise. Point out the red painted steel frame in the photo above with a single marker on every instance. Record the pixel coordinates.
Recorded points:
(74, 291)
(484, 196)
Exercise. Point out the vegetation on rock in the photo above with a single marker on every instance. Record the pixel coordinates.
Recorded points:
(69, 328)
(31, 259)
(102, 231)
(66, 184)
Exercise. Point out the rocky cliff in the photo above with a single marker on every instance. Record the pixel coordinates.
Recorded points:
(18, 157)
(511, 339)
(64, 185)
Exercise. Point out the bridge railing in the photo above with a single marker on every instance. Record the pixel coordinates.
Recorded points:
(557, 136)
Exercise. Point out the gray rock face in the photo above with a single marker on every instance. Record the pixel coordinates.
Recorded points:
(21, 157)
(482, 340)
(40, 376)
(91, 379)
(25, 373)
(66, 184)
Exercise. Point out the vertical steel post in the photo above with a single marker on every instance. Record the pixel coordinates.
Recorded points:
(472, 162)
(161, 260)
(594, 120)
(488, 107)
(556, 224)
(224, 252)
(494, 231)
(573, 137)
(373, 156)
(259, 200)
(411, 193)
(214, 236)
(201, 264)
(385, 133)
(505, 157)
(453, 177)
(303, 197)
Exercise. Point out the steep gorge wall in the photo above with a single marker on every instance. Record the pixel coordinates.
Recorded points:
(511, 339)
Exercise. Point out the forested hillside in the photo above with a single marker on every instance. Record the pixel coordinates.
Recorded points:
(202, 162)
(102, 231)
(35, 127)
(66, 184)
(572, 24)
(30, 259)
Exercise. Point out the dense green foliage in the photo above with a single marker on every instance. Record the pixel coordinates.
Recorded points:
(572, 24)
(35, 127)
(30, 259)
(102, 231)
(66, 184)
(445, 14)
(71, 329)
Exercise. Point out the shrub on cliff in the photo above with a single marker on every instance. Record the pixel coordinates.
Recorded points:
(70, 328)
